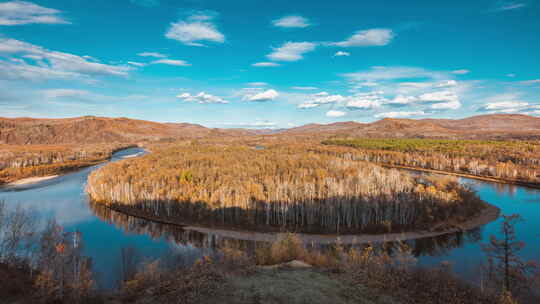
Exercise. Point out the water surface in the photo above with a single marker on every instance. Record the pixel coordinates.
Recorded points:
(105, 232)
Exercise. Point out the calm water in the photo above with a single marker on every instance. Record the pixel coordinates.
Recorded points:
(105, 233)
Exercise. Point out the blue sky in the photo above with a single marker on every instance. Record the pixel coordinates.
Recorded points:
(268, 64)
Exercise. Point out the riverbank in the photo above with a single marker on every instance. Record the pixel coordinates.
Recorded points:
(477, 177)
(488, 214)
(30, 180)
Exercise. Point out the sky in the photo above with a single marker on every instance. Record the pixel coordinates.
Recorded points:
(269, 64)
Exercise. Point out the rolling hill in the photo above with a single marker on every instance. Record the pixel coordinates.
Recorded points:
(91, 129)
(496, 126)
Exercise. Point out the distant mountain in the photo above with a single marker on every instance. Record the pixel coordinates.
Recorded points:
(90, 129)
(496, 126)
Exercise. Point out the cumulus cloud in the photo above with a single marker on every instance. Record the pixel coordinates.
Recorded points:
(446, 84)
(23, 12)
(341, 54)
(291, 51)
(461, 72)
(319, 99)
(152, 54)
(402, 100)
(46, 64)
(334, 113)
(365, 101)
(265, 64)
(505, 103)
(267, 95)
(202, 98)
(171, 62)
(371, 37)
(194, 29)
(291, 22)
(400, 114)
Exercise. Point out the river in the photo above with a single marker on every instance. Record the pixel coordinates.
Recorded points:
(105, 232)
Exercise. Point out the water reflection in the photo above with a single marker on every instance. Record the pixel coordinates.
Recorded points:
(106, 232)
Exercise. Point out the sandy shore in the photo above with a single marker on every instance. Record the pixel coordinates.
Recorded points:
(489, 214)
(31, 180)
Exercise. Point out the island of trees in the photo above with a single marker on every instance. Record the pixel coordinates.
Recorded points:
(300, 187)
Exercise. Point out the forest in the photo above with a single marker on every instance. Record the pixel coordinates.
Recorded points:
(301, 187)
(18, 162)
(511, 161)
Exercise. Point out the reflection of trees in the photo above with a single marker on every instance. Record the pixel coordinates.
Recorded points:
(207, 242)
(172, 233)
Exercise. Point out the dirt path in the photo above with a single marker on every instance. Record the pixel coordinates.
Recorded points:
(294, 287)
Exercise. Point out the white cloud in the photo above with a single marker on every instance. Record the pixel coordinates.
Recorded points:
(59, 93)
(291, 51)
(292, 21)
(202, 97)
(439, 96)
(400, 114)
(402, 100)
(371, 37)
(48, 64)
(341, 53)
(171, 62)
(461, 72)
(533, 81)
(380, 73)
(333, 113)
(509, 5)
(196, 28)
(503, 105)
(152, 54)
(257, 84)
(365, 102)
(451, 105)
(304, 88)
(266, 64)
(23, 12)
(320, 99)
(446, 84)
(260, 124)
(138, 64)
(267, 95)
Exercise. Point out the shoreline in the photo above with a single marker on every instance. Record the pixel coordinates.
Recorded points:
(477, 177)
(489, 214)
(30, 180)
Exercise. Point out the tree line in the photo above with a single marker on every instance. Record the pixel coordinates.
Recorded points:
(305, 187)
(17, 162)
(507, 160)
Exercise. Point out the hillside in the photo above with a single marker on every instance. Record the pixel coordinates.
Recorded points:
(497, 126)
(90, 130)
